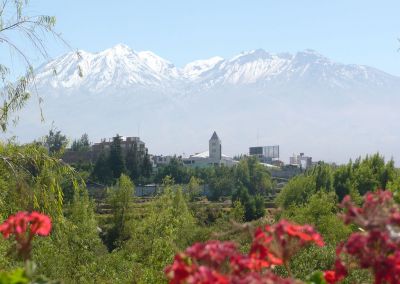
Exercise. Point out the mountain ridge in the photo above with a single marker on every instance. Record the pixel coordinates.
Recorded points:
(122, 68)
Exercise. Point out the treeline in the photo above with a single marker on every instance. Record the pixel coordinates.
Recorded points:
(132, 162)
(247, 182)
(354, 179)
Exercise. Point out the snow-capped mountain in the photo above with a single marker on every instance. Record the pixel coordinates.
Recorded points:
(304, 102)
(113, 69)
(122, 69)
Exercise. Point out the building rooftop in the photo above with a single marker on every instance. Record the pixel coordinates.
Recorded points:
(205, 154)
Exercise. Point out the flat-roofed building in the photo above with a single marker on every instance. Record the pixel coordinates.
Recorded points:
(266, 154)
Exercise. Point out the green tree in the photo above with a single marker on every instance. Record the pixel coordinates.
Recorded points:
(371, 173)
(237, 212)
(73, 252)
(55, 141)
(168, 226)
(193, 188)
(321, 211)
(102, 171)
(342, 180)
(260, 178)
(147, 167)
(120, 197)
(253, 176)
(116, 158)
(174, 169)
(322, 174)
(82, 144)
(243, 172)
(259, 207)
(242, 195)
(394, 186)
(222, 182)
(296, 192)
(133, 162)
(31, 180)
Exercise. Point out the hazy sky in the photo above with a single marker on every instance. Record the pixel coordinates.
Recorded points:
(348, 31)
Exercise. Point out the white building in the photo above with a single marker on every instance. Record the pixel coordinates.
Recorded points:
(212, 157)
(301, 161)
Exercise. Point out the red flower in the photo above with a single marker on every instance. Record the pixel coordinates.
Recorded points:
(180, 270)
(205, 275)
(220, 262)
(284, 239)
(330, 276)
(377, 246)
(258, 278)
(18, 224)
(214, 253)
(40, 224)
(340, 270)
(6, 228)
(21, 220)
(24, 226)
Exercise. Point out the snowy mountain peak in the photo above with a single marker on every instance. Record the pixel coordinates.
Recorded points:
(157, 64)
(120, 68)
(194, 69)
(310, 56)
(119, 49)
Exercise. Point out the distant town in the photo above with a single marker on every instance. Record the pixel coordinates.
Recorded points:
(268, 156)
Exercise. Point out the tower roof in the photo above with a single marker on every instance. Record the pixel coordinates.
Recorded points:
(214, 136)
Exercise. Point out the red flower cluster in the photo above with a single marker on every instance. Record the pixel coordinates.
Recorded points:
(377, 246)
(24, 226)
(285, 239)
(220, 262)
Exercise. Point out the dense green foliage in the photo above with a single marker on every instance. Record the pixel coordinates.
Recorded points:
(110, 165)
(135, 240)
(355, 178)
(119, 197)
(313, 198)
(82, 144)
(222, 181)
(253, 205)
(116, 159)
(55, 141)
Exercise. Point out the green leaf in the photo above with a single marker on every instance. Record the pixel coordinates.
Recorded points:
(316, 277)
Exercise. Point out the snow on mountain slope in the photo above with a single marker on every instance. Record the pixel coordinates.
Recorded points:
(121, 68)
(195, 69)
(305, 68)
(117, 67)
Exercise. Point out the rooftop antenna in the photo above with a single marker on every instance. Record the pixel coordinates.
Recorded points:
(138, 130)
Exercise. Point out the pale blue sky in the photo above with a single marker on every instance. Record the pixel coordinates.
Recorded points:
(349, 31)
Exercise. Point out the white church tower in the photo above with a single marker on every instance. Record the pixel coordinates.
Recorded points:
(215, 148)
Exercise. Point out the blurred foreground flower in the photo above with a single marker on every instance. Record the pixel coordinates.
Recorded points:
(24, 226)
